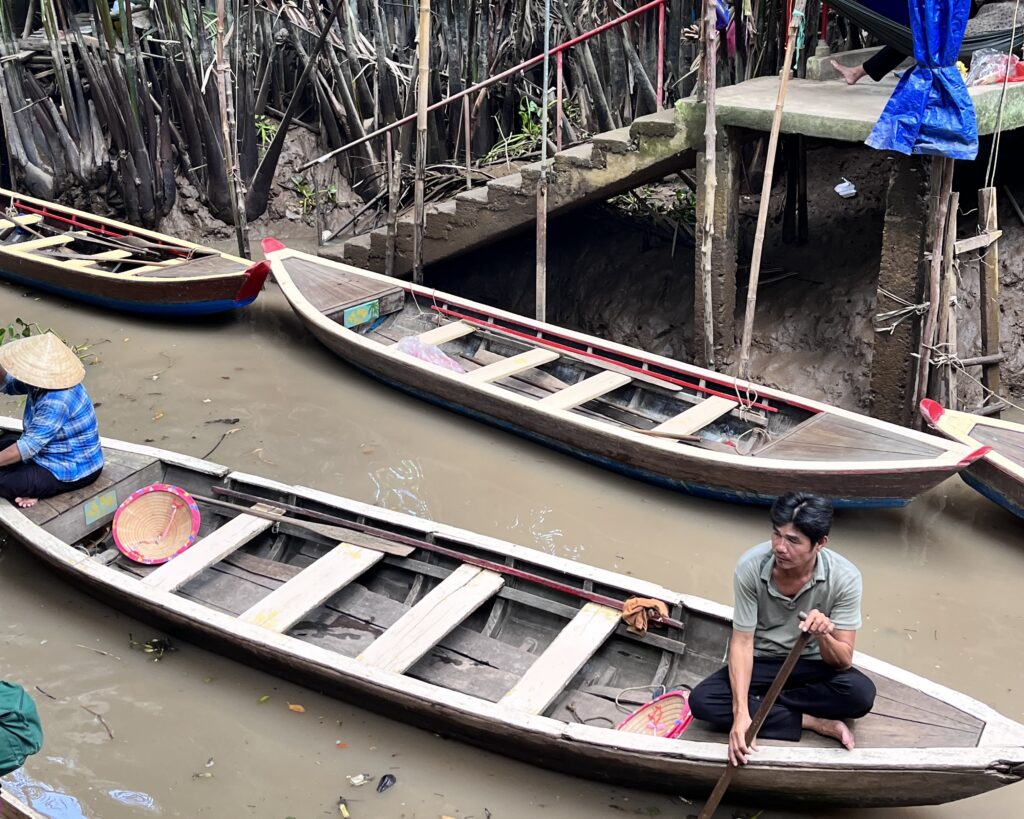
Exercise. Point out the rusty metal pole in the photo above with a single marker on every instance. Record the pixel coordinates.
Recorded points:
(422, 86)
(661, 56)
(541, 281)
(559, 86)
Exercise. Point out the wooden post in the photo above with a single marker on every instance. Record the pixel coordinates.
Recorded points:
(945, 384)
(422, 86)
(467, 135)
(934, 283)
(541, 279)
(710, 180)
(766, 191)
(394, 174)
(989, 281)
(227, 115)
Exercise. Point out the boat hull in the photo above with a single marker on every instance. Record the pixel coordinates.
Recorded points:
(819, 785)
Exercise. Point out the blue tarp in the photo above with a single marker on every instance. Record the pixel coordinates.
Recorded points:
(930, 112)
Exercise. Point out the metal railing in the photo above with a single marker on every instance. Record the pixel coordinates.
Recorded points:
(557, 52)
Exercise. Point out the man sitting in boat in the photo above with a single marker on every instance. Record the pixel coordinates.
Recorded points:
(59, 448)
(773, 582)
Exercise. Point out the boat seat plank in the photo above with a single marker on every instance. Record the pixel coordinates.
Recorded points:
(562, 659)
(208, 550)
(20, 221)
(697, 417)
(446, 332)
(79, 264)
(45, 241)
(430, 620)
(110, 255)
(511, 366)
(586, 390)
(286, 605)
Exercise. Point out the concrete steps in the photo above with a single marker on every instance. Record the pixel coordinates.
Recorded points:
(610, 163)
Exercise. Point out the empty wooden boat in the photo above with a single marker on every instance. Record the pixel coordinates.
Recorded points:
(512, 649)
(999, 473)
(111, 264)
(647, 416)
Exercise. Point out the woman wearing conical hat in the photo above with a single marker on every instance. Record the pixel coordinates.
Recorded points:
(58, 449)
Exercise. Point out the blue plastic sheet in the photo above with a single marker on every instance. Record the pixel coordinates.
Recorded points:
(930, 112)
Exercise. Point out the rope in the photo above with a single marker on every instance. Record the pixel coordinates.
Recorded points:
(997, 138)
(944, 358)
(888, 321)
(626, 710)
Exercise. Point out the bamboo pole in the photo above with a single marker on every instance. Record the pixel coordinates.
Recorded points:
(541, 280)
(766, 190)
(227, 114)
(422, 86)
(945, 388)
(394, 172)
(934, 284)
(989, 296)
(710, 179)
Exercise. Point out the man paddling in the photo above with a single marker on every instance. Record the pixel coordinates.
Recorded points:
(59, 448)
(773, 582)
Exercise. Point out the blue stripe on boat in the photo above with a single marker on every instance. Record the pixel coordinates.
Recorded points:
(696, 489)
(195, 308)
(991, 494)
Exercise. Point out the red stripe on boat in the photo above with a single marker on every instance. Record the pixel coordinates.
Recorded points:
(272, 245)
(931, 410)
(255, 276)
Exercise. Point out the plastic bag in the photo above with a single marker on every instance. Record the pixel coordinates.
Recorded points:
(989, 66)
(410, 345)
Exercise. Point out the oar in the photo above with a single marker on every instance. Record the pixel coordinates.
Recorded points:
(755, 724)
(332, 532)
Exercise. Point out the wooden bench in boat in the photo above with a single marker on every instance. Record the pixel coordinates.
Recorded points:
(429, 621)
(696, 417)
(20, 221)
(287, 604)
(446, 332)
(123, 473)
(511, 365)
(211, 549)
(43, 242)
(586, 390)
(562, 659)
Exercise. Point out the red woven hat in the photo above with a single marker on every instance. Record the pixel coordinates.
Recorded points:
(156, 523)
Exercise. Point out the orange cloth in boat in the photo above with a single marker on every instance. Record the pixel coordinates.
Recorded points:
(638, 610)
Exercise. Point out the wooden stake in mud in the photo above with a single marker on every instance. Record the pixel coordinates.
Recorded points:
(795, 19)
(989, 280)
(541, 280)
(946, 386)
(422, 86)
(227, 116)
(710, 179)
(941, 206)
(394, 173)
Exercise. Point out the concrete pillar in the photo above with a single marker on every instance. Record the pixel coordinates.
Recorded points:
(724, 247)
(893, 365)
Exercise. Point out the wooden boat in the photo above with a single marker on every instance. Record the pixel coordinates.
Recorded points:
(650, 417)
(13, 808)
(505, 647)
(999, 473)
(111, 264)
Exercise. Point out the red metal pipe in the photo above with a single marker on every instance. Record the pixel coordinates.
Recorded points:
(823, 33)
(661, 56)
(631, 367)
(618, 21)
(558, 100)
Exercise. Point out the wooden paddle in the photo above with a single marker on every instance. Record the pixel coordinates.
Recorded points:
(755, 724)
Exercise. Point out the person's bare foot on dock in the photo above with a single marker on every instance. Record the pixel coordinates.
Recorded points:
(849, 73)
(834, 728)
(25, 503)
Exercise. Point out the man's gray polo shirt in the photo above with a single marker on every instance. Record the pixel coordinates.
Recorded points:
(834, 589)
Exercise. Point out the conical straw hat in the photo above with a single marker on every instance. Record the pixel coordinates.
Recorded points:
(42, 361)
(667, 716)
(156, 523)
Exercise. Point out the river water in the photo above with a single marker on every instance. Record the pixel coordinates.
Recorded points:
(194, 734)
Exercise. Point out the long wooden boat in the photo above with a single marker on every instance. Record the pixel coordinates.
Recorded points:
(511, 649)
(111, 264)
(999, 473)
(13, 808)
(669, 423)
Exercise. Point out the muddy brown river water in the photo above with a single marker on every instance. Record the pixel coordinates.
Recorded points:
(196, 735)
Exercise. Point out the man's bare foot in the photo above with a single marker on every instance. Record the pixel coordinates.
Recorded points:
(849, 73)
(834, 728)
(25, 503)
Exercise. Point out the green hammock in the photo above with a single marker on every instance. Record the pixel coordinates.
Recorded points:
(898, 36)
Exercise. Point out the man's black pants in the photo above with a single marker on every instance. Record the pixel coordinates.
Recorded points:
(882, 62)
(814, 687)
(30, 480)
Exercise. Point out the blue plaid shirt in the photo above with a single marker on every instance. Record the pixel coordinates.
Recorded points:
(60, 432)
